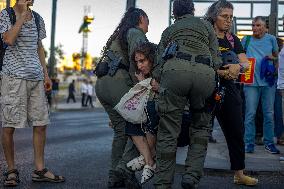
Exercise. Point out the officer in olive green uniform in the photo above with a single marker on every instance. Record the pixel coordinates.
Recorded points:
(186, 75)
(111, 88)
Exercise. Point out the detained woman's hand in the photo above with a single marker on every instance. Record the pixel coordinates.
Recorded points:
(155, 85)
(139, 76)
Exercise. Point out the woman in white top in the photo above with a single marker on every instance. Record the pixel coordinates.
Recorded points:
(90, 93)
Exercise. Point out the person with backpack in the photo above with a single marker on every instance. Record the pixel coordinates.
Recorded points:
(263, 47)
(24, 81)
(229, 112)
(116, 75)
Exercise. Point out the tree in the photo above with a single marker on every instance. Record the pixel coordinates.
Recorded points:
(95, 61)
(59, 53)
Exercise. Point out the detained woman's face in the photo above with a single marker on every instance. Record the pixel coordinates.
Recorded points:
(224, 19)
(143, 64)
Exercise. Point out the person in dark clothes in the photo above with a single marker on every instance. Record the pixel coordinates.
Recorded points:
(71, 92)
(229, 113)
(55, 90)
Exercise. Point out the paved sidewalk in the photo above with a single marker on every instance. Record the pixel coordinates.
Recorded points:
(218, 157)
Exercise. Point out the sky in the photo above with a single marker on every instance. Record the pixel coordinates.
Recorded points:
(108, 13)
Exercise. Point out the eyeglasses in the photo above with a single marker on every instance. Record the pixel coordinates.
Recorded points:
(226, 17)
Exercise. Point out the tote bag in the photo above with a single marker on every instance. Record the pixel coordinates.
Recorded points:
(132, 104)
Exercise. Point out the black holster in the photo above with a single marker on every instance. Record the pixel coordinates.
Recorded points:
(101, 69)
(113, 64)
(170, 51)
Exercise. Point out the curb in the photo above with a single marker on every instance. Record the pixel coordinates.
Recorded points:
(78, 109)
(219, 172)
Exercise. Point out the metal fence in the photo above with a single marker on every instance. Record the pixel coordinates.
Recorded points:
(243, 23)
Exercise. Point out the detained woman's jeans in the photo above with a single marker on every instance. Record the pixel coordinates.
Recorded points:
(252, 95)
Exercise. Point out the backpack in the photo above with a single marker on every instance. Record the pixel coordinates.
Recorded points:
(12, 17)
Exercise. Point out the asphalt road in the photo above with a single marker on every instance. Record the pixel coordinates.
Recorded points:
(78, 147)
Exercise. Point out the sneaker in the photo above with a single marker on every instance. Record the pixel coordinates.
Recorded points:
(245, 180)
(249, 148)
(148, 173)
(271, 148)
(136, 164)
(281, 159)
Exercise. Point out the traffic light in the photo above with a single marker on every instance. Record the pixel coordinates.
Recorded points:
(86, 22)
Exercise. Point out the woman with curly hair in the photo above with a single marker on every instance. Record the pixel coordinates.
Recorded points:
(144, 135)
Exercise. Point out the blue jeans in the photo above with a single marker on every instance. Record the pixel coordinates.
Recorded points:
(252, 95)
(279, 127)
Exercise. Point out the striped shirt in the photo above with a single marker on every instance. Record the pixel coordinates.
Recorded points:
(21, 60)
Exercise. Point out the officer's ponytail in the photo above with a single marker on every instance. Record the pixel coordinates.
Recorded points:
(130, 19)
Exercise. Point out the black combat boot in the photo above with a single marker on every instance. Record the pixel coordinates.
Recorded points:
(189, 184)
(115, 180)
(116, 184)
(129, 178)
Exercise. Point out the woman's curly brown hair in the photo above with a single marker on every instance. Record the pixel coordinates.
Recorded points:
(147, 49)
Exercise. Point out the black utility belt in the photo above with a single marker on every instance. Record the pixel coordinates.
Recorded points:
(198, 59)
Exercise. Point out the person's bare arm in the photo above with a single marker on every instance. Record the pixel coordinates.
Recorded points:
(47, 81)
(10, 36)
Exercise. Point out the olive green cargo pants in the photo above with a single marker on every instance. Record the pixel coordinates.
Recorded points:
(191, 83)
(109, 91)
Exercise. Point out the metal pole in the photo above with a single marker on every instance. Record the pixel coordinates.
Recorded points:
(130, 3)
(234, 28)
(52, 46)
(273, 18)
(170, 12)
(7, 3)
